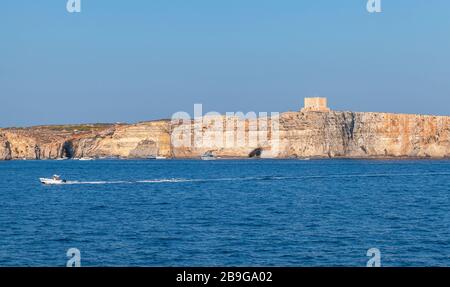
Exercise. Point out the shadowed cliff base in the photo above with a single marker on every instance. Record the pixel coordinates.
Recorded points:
(255, 153)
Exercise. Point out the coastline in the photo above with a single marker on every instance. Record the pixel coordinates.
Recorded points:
(309, 134)
(249, 159)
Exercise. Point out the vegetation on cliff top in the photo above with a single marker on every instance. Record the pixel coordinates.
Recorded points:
(66, 128)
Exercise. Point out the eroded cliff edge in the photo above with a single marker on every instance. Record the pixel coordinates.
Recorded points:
(301, 134)
(51, 142)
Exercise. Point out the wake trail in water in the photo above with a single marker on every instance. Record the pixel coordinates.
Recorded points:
(164, 180)
(256, 178)
(94, 182)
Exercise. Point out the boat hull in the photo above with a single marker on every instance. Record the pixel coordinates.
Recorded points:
(208, 158)
(50, 181)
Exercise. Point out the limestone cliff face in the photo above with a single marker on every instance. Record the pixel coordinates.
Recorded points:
(348, 134)
(5, 148)
(295, 134)
(127, 141)
(224, 136)
(329, 135)
(30, 144)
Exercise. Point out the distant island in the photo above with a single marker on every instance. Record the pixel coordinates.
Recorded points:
(313, 132)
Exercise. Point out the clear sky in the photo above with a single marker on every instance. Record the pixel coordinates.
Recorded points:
(146, 59)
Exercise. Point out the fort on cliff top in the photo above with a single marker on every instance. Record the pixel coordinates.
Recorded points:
(314, 131)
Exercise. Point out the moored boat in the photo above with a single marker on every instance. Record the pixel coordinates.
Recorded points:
(208, 156)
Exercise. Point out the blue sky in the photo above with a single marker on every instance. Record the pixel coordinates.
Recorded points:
(138, 60)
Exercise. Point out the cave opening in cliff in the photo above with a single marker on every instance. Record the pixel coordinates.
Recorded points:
(256, 153)
(67, 150)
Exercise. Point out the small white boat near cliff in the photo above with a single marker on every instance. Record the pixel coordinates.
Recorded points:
(86, 158)
(208, 156)
(156, 157)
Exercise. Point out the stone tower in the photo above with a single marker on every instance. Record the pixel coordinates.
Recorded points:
(315, 105)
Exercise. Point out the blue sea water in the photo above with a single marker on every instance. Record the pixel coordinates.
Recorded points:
(226, 213)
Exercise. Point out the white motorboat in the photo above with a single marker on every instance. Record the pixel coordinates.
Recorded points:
(208, 156)
(86, 158)
(156, 157)
(56, 179)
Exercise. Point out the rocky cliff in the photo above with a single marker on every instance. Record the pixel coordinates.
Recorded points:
(349, 134)
(293, 134)
(52, 142)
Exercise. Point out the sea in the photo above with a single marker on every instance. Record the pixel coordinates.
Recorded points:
(226, 212)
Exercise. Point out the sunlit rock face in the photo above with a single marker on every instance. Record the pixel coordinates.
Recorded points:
(324, 134)
(5, 148)
(31, 143)
(226, 137)
(127, 141)
(348, 134)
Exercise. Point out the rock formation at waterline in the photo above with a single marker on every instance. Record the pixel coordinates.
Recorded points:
(348, 134)
(312, 132)
(52, 142)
